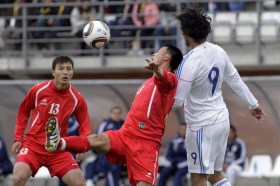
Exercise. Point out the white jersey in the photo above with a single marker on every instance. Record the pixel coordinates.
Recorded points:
(200, 76)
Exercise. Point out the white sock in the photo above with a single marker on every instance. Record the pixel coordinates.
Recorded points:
(89, 183)
(63, 144)
(223, 182)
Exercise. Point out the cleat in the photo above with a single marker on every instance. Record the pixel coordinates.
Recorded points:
(52, 134)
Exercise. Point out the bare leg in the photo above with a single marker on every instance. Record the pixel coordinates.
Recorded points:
(74, 178)
(99, 142)
(141, 183)
(214, 178)
(21, 173)
(199, 179)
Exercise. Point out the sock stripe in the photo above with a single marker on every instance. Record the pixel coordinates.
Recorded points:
(222, 183)
(63, 144)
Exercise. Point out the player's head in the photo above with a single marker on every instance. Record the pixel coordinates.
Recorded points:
(176, 56)
(195, 24)
(62, 70)
(62, 60)
(116, 113)
(232, 133)
(169, 56)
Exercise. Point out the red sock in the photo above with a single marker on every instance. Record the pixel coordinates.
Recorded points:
(76, 144)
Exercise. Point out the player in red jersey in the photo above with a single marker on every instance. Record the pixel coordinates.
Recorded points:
(138, 142)
(51, 101)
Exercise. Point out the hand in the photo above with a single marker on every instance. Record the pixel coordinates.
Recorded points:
(16, 147)
(79, 157)
(152, 65)
(259, 114)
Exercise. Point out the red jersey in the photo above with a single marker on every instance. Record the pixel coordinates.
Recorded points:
(44, 100)
(152, 103)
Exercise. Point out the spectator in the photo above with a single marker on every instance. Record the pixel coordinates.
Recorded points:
(6, 166)
(14, 24)
(110, 171)
(236, 5)
(125, 20)
(145, 16)
(177, 160)
(43, 22)
(168, 24)
(80, 16)
(235, 156)
(214, 6)
(59, 20)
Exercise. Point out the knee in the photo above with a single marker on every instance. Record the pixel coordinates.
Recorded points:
(79, 182)
(99, 142)
(19, 178)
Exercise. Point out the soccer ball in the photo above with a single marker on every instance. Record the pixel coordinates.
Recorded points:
(96, 34)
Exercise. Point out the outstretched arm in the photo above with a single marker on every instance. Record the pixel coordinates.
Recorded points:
(152, 65)
(234, 80)
(164, 80)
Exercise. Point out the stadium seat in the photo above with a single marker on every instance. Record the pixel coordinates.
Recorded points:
(43, 174)
(275, 172)
(246, 27)
(269, 3)
(223, 28)
(270, 22)
(258, 166)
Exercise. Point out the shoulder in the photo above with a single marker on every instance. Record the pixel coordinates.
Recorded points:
(40, 86)
(74, 91)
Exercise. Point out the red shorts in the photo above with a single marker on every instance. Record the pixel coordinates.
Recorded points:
(140, 156)
(58, 162)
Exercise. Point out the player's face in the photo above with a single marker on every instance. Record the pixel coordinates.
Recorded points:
(158, 56)
(63, 73)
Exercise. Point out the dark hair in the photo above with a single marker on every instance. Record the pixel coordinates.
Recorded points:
(195, 23)
(114, 108)
(176, 56)
(62, 60)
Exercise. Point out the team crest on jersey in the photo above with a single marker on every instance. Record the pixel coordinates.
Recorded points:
(44, 102)
(141, 125)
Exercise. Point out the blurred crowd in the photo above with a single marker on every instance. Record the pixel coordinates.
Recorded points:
(139, 20)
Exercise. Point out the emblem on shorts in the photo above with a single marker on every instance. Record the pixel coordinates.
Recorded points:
(141, 125)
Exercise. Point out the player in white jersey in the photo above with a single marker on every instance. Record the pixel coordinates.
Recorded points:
(200, 75)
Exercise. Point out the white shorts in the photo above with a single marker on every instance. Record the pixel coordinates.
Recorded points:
(206, 147)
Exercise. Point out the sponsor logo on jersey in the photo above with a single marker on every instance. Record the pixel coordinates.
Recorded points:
(44, 102)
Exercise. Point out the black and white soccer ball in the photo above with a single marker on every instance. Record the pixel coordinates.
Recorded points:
(96, 34)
